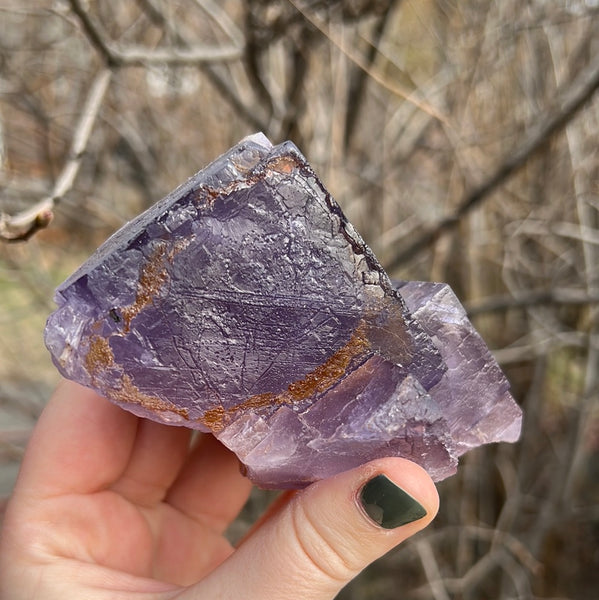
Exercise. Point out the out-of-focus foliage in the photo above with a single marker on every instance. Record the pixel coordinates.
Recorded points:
(404, 108)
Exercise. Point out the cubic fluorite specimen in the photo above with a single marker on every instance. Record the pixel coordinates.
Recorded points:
(244, 304)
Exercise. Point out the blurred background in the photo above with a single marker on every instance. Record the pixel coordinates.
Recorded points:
(460, 138)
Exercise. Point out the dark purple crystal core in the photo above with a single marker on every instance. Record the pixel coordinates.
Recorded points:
(245, 304)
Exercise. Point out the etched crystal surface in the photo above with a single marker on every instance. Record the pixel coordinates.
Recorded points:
(246, 305)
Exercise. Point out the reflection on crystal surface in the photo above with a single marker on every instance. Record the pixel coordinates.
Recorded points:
(245, 304)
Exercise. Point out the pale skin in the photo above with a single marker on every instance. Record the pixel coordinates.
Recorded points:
(110, 506)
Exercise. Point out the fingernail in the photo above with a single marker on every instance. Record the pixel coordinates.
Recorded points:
(388, 505)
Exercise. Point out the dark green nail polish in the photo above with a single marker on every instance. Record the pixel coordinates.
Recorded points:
(388, 505)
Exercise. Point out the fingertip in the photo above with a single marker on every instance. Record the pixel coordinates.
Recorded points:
(396, 492)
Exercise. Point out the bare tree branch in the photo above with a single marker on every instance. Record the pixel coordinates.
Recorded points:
(93, 34)
(22, 226)
(210, 70)
(358, 78)
(394, 87)
(134, 55)
(174, 56)
(572, 100)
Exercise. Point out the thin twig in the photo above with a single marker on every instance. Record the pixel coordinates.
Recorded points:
(219, 15)
(526, 352)
(530, 298)
(431, 570)
(23, 225)
(572, 100)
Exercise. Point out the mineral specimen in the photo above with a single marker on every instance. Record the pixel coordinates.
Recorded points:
(244, 304)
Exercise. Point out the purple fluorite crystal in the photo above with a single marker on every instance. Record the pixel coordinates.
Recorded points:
(245, 304)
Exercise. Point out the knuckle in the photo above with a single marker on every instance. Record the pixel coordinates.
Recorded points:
(325, 552)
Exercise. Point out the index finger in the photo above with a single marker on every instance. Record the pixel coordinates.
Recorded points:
(81, 444)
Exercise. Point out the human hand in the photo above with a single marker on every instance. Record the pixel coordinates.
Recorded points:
(110, 506)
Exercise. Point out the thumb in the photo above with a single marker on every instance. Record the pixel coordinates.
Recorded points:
(326, 534)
